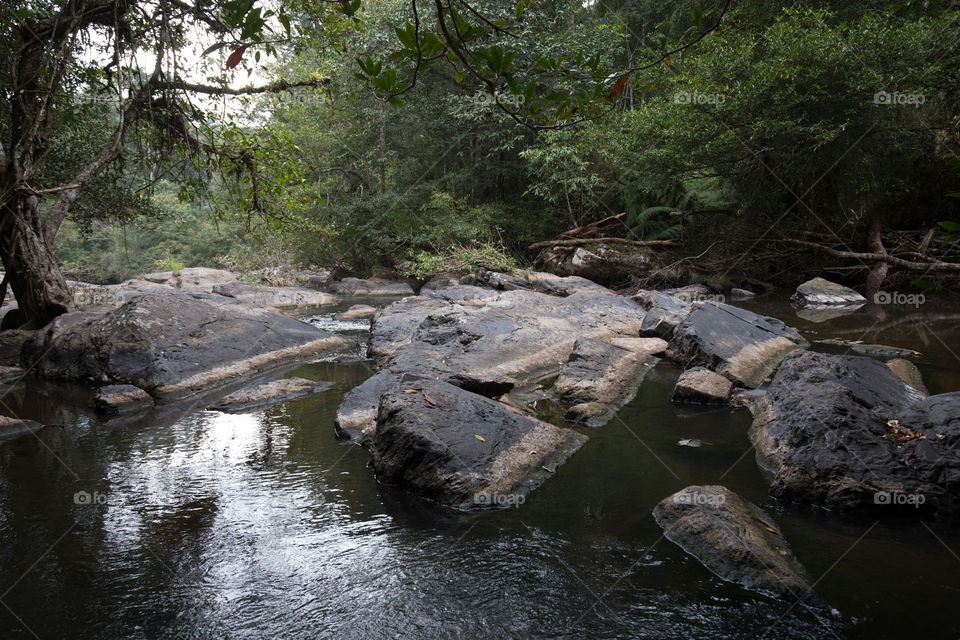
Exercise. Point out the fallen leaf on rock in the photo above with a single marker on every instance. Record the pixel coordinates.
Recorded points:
(429, 399)
(480, 438)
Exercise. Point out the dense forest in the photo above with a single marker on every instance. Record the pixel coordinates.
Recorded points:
(761, 138)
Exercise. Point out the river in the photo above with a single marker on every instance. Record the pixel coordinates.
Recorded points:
(209, 525)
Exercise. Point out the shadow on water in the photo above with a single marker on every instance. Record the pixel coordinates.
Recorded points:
(186, 523)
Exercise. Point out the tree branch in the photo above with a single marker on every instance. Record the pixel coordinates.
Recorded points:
(935, 265)
(575, 242)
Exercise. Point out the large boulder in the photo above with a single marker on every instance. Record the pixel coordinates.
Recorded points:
(664, 312)
(461, 449)
(702, 386)
(539, 281)
(823, 293)
(735, 539)
(605, 262)
(483, 341)
(742, 345)
(845, 432)
(599, 377)
(172, 344)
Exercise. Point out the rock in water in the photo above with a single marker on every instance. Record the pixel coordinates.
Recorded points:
(371, 287)
(267, 393)
(664, 312)
(844, 432)
(702, 386)
(822, 293)
(172, 345)
(279, 297)
(358, 311)
(461, 449)
(15, 427)
(600, 377)
(742, 345)
(734, 539)
(121, 398)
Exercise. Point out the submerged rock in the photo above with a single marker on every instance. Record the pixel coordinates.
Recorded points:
(909, 373)
(742, 345)
(734, 539)
(121, 398)
(267, 393)
(600, 377)
(702, 386)
(358, 311)
(11, 373)
(461, 449)
(823, 293)
(15, 427)
(844, 432)
(172, 345)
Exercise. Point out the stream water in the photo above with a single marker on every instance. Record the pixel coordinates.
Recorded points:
(210, 525)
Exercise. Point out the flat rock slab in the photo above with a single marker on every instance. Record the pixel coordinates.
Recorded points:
(844, 432)
(702, 386)
(735, 539)
(371, 287)
(121, 398)
(358, 311)
(599, 377)
(173, 345)
(15, 427)
(823, 293)
(276, 297)
(461, 449)
(267, 393)
(539, 281)
(743, 346)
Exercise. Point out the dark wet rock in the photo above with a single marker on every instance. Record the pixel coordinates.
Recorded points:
(599, 377)
(735, 539)
(844, 432)
(664, 312)
(15, 427)
(269, 392)
(822, 293)
(264, 296)
(115, 399)
(461, 449)
(909, 373)
(742, 345)
(11, 342)
(702, 386)
(394, 326)
(172, 344)
(358, 311)
(313, 279)
(370, 287)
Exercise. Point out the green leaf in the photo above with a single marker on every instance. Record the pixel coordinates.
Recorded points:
(949, 225)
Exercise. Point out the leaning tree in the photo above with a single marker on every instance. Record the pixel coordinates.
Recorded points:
(138, 58)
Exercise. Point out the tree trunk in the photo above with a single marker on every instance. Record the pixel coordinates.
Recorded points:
(32, 272)
(878, 273)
